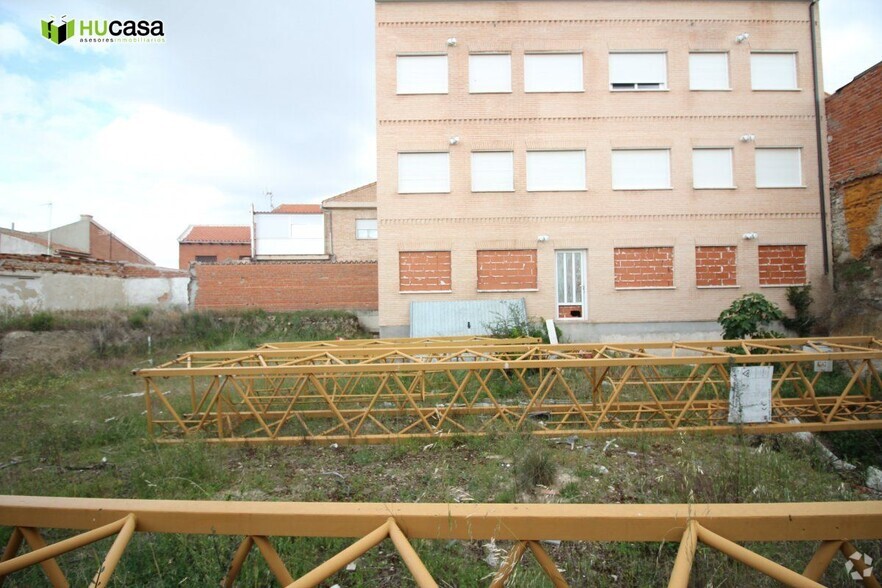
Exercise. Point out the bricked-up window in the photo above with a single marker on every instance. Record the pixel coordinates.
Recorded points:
(782, 265)
(715, 266)
(644, 267)
(503, 270)
(424, 271)
(422, 74)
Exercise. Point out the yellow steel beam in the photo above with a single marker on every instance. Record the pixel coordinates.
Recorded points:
(569, 522)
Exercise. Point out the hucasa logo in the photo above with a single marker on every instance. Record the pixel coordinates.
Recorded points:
(58, 32)
(103, 31)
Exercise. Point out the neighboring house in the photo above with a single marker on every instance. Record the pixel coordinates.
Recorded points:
(628, 168)
(854, 127)
(213, 243)
(289, 231)
(22, 243)
(99, 242)
(351, 221)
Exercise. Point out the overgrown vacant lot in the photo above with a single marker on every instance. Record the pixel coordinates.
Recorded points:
(78, 429)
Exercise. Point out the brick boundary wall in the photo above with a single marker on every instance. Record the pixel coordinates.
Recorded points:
(507, 269)
(644, 267)
(86, 267)
(715, 266)
(285, 286)
(424, 271)
(782, 265)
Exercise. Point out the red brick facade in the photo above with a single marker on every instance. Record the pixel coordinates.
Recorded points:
(424, 271)
(644, 267)
(782, 265)
(104, 245)
(854, 117)
(715, 267)
(505, 270)
(187, 252)
(286, 286)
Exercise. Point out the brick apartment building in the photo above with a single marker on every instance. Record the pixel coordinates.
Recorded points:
(625, 167)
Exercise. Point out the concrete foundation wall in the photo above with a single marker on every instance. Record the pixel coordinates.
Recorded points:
(580, 332)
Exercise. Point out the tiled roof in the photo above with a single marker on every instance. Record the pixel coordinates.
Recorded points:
(216, 234)
(366, 193)
(298, 209)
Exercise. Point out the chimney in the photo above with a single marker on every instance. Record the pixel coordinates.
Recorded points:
(86, 217)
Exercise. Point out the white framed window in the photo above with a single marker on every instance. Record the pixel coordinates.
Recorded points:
(638, 71)
(709, 71)
(421, 74)
(773, 71)
(555, 171)
(712, 168)
(423, 173)
(366, 228)
(778, 167)
(492, 171)
(553, 72)
(489, 73)
(641, 169)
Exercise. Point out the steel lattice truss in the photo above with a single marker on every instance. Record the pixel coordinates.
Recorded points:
(717, 526)
(379, 391)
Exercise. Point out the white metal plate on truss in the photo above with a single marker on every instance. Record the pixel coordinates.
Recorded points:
(750, 394)
(821, 365)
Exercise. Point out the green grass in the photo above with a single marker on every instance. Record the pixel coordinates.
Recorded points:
(82, 432)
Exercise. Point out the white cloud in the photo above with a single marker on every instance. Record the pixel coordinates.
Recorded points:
(12, 41)
(154, 142)
(848, 50)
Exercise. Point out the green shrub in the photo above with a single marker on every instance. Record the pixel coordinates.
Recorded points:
(748, 318)
(514, 323)
(800, 298)
(534, 466)
(138, 317)
(41, 321)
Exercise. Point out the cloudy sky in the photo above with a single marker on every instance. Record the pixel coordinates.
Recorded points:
(241, 99)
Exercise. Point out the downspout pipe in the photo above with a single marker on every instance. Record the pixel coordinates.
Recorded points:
(820, 137)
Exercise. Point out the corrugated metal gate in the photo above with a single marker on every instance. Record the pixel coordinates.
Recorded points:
(461, 317)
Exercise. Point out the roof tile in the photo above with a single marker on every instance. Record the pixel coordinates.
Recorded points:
(217, 234)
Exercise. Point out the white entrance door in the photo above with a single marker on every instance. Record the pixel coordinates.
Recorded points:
(571, 298)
